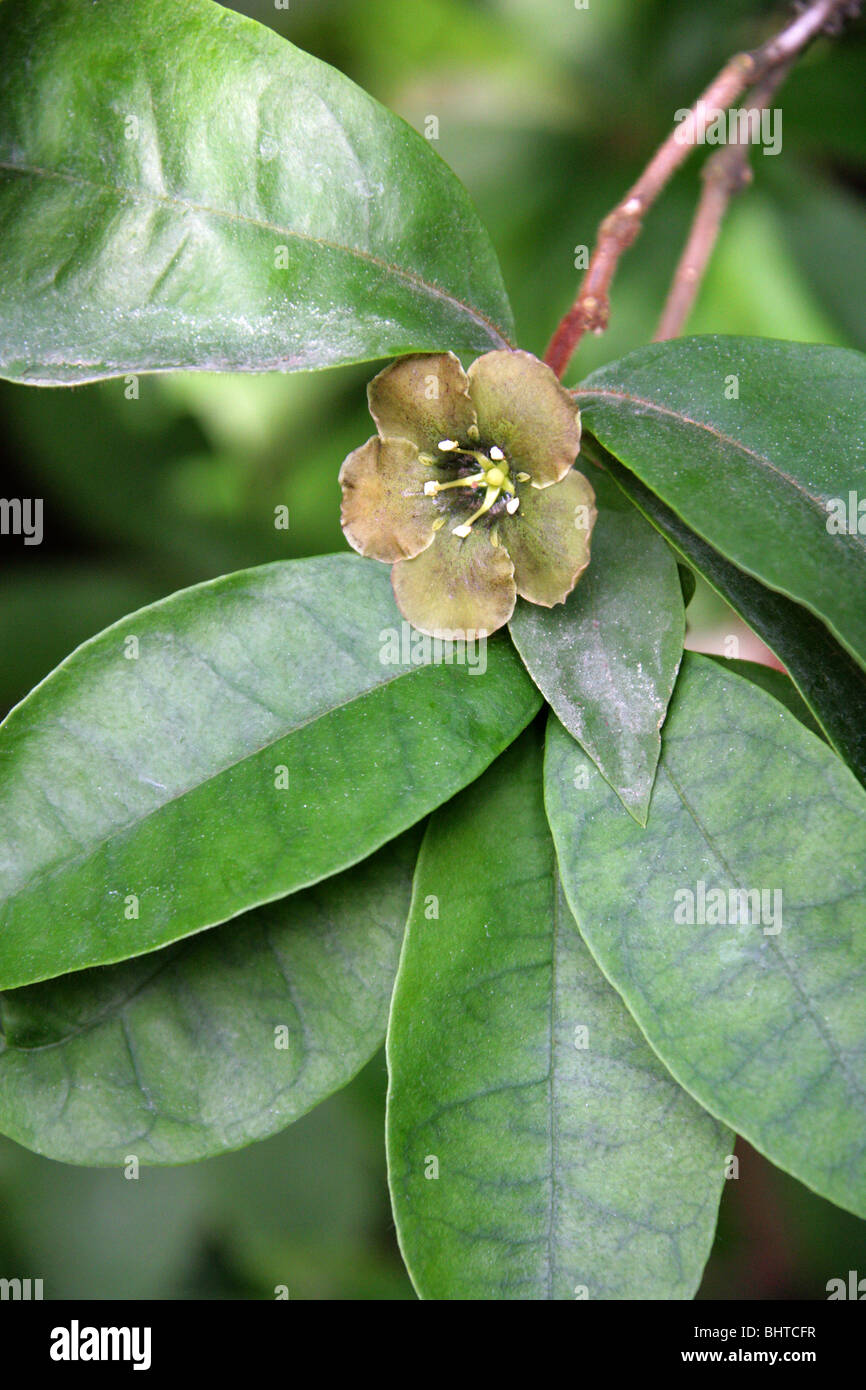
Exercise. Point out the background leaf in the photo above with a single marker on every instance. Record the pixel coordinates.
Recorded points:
(607, 659)
(179, 187)
(306, 1208)
(752, 475)
(766, 1030)
(830, 681)
(174, 1057)
(47, 610)
(824, 225)
(560, 1164)
(258, 742)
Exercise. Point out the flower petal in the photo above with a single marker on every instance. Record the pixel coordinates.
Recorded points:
(523, 408)
(548, 539)
(385, 513)
(404, 407)
(456, 586)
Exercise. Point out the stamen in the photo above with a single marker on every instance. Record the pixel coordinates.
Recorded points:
(447, 445)
(496, 453)
(511, 505)
(490, 497)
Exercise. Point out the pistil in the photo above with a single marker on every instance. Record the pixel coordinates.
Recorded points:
(490, 497)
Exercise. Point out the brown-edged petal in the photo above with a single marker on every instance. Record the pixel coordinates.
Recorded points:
(385, 513)
(423, 398)
(548, 539)
(523, 408)
(456, 586)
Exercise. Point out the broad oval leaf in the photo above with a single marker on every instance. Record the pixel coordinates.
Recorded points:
(776, 683)
(754, 1003)
(758, 446)
(607, 658)
(233, 743)
(568, 1163)
(182, 188)
(217, 1041)
(828, 678)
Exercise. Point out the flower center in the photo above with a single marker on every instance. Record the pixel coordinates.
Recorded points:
(482, 468)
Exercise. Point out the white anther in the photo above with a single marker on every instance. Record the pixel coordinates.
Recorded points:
(511, 505)
(446, 445)
(431, 489)
(461, 531)
(496, 453)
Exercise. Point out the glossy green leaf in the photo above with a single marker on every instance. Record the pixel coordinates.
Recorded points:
(764, 474)
(830, 681)
(537, 1149)
(233, 743)
(180, 187)
(607, 659)
(756, 1005)
(214, 1042)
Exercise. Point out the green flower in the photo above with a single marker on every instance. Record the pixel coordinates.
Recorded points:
(468, 489)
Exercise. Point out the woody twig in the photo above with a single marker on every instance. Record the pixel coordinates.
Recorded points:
(725, 174)
(591, 309)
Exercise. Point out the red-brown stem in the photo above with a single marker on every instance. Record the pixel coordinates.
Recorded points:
(725, 174)
(591, 308)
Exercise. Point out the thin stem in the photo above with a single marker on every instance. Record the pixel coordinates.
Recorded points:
(591, 308)
(725, 174)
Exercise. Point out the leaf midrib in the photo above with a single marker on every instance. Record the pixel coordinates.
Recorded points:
(410, 277)
(552, 1128)
(61, 865)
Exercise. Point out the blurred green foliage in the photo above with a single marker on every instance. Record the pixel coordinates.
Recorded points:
(547, 113)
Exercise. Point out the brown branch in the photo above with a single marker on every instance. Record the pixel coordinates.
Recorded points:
(725, 174)
(591, 309)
